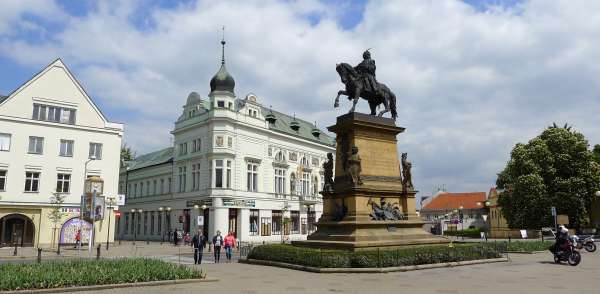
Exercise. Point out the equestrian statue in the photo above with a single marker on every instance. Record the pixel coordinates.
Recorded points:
(360, 82)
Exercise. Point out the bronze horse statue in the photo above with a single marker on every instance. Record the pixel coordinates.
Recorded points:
(355, 89)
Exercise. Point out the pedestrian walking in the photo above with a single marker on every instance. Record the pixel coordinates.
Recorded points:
(229, 244)
(199, 242)
(78, 239)
(175, 237)
(217, 243)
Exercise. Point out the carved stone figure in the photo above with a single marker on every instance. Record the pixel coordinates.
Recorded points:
(328, 173)
(385, 211)
(354, 167)
(360, 82)
(406, 173)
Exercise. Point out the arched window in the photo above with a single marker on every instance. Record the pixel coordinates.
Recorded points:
(279, 157)
(304, 161)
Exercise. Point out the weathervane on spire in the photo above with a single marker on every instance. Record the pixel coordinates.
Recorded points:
(223, 46)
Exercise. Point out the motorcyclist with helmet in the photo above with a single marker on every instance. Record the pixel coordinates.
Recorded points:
(562, 239)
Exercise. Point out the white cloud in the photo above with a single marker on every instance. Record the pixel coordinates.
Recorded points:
(470, 84)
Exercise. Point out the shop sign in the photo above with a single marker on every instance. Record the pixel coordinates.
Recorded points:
(69, 230)
(70, 210)
(191, 203)
(239, 202)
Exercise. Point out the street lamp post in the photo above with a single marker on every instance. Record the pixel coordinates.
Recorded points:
(134, 224)
(168, 218)
(462, 222)
(160, 219)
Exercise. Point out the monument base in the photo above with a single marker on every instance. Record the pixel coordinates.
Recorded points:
(365, 235)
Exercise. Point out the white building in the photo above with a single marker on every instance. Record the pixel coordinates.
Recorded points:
(252, 168)
(49, 128)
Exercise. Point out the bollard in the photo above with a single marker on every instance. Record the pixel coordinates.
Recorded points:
(98, 252)
(58, 251)
(39, 257)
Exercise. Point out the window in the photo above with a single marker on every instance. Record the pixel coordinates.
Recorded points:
(279, 181)
(183, 149)
(182, 179)
(162, 186)
(154, 187)
(305, 185)
(66, 148)
(2, 180)
(170, 181)
(218, 173)
(277, 222)
(141, 189)
(126, 229)
(4, 142)
(265, 226)
(145, 222)
(295, 222)
(315, 161)
(228, 174)
(230, 142)
(63, 183)
(196, 144)
(221, 104)
(53, 114)
(96, 151)
(303, 225)
(279, 157)
(252, 177)
(32, 182)
(36, 145)
(159, 223)
(253, 222)
(135, 190)
(195, 177)
(304, 161)
(229, 105)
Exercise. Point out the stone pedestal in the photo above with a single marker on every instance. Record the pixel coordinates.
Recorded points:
(346, 222)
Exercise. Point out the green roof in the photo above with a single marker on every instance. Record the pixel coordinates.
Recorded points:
(282, 125)
(151, 159)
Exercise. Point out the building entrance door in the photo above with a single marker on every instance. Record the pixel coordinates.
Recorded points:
(233, 221)
(206, 223)
(16, 229)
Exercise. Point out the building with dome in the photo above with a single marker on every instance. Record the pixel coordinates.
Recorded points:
(235, 166)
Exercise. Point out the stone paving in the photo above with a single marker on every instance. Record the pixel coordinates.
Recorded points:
(526, 273)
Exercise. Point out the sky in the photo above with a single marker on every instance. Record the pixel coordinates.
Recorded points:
(472, 78)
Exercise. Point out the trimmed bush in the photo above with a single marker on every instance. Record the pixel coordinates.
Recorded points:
(470, 233)
(413, 255)
(528, 246)
(56, 274)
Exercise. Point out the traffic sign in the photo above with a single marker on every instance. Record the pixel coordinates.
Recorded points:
(553, 211)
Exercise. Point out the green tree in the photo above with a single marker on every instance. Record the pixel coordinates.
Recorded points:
(553, 169)
(127, 154)
(55, 216)
(596, 153)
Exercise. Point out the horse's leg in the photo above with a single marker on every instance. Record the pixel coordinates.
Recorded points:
(373, 107)
(337, 98)
(387, 106)
(355, 99)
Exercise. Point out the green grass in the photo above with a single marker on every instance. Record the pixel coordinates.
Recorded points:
(413, 255)
(56, 274)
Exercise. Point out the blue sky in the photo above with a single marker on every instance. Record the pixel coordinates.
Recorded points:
(472, 78)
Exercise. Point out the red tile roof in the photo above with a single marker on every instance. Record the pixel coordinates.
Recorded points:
(449, 201)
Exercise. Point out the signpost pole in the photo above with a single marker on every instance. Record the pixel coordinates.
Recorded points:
(93, 219)
(554, 215)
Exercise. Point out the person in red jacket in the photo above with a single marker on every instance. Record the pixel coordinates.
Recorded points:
(229, 244)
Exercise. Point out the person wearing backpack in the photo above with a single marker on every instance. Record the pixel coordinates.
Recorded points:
(229, 244)
(217, 243)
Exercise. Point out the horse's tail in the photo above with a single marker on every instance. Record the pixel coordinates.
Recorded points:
(393, 105)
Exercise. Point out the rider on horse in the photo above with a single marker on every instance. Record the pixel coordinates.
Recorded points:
(366, 68)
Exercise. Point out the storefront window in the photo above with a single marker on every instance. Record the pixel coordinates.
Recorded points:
(295, 222)
(277, 222)
(254, 222)
(265, 226)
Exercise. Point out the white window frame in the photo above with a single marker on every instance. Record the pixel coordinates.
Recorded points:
(3, 179)
(5, 140)
(62, 181)
(95, 150)
(252, 177)
(38, 145)
(33, 177)
(66, 143)
(305, 184)
(280, 181)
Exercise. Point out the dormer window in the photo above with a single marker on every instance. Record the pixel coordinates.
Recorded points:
(253, 112)
(221, 104)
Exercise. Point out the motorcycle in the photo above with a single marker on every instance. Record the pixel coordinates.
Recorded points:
(567, 252)
(587, 243)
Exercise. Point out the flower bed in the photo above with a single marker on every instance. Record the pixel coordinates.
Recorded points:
(57, 274)
(413, 255)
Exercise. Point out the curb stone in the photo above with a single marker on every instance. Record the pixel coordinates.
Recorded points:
(110, 286)
(372, 270)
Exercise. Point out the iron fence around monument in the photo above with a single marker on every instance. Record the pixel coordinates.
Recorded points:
(374, 258)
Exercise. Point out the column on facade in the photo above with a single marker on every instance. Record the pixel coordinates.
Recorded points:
(219, 217)
(244, 224)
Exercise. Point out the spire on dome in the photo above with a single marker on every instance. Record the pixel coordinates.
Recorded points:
(222, 81)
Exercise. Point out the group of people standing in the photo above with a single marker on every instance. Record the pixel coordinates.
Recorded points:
(199, 242)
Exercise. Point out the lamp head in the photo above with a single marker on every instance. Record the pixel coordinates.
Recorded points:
(140, 210)
(168, 208)
(196, 206)
(204, 206)
(132, 210)
(160, 208)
